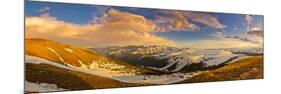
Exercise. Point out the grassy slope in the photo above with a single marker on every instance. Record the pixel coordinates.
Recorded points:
(38, 47)
(68, 79)
(249, 68)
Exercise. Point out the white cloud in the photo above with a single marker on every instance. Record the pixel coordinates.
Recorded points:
(44, 11)
(248, 19)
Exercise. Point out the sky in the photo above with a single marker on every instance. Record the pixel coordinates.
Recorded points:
(101, 26)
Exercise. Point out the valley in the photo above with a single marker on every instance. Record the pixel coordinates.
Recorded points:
(95, 68)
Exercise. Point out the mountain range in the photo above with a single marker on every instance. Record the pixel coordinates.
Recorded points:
(53, 66)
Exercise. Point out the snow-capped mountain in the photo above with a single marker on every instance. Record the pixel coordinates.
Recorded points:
(248, 51)
(49, 65)
(172, 59)
(135, 50)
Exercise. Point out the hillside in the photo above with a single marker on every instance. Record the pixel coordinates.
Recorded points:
(249, 68)
(172, 59)
(80, 58)
(45, 73)
(52, 66)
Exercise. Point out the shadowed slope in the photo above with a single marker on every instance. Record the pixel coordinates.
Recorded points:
(68, 79)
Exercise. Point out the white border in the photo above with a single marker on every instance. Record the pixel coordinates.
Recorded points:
(11, 51)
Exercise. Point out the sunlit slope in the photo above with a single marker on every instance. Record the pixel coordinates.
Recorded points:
(79, 58)
(249, 68)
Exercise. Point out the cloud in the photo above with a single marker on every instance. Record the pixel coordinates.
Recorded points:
(206, 19)
(222, 43)
(254, 35)
(44, 11)
(218, 34)
(256, 40)
(248, 19)
(256, 31)
(176, 21)
(250, 36)
(185, 21)
(100, 11)
(126, 21)
(115, 28)
(226, 40)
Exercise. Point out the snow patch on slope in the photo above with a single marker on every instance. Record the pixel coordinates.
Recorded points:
(69, 50)
(159, 79)
(37, 60)
(153, 79)
(41, 87)
(61, 59)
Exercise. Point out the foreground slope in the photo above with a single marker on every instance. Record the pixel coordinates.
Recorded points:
(42, 72)
(50, 65)
(249, 68)
(80, 58)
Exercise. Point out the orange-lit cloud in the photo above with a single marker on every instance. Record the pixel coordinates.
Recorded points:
(125, 21)
(176, 22)
(254, 36)
(116, 28)
(185, 21)
(256, 31)
(206, 19)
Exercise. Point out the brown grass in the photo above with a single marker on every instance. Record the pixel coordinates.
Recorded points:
(249, 68)
(38, 48)
(68, 79)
